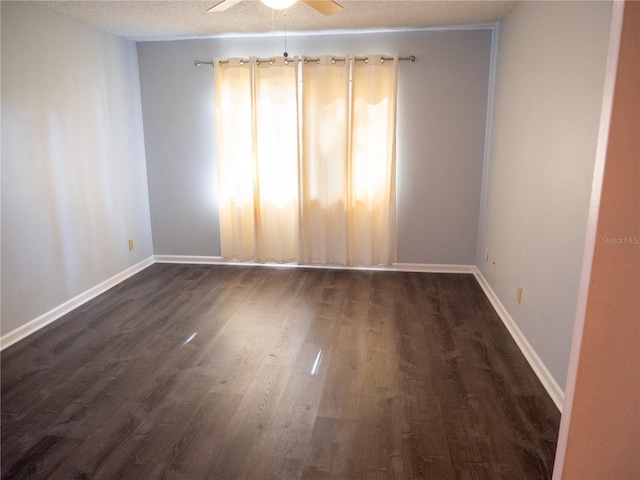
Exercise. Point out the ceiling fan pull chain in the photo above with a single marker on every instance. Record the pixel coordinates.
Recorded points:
(285, 35)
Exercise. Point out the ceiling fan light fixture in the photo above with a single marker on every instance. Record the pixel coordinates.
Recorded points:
(279, 4)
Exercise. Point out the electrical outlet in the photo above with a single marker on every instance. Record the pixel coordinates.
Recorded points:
(130, 244)
(519, 295)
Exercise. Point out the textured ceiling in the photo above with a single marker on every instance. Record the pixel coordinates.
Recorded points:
(154, 20)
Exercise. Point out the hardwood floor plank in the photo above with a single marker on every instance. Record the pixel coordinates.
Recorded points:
(190, 454)
(227, 372)
(42, 458)
(275, 468)
(332, 449)
(289, 435)
(102, 444)
(341, 395)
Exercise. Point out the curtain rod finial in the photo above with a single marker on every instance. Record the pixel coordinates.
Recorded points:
(197, 63)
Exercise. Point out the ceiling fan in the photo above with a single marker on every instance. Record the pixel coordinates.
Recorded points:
(326, 7)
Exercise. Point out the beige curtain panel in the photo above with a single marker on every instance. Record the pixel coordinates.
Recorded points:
(235, 160)
(325, 157)
(307, 176)
(277, 161)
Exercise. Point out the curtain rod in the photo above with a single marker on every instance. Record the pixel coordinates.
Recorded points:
(411, 58)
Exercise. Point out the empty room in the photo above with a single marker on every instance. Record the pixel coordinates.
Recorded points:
(291, 239)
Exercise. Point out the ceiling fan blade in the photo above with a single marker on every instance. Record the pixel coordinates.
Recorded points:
(326, 7)
(223, 5)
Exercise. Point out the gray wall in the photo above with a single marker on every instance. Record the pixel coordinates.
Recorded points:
(548, 94)
(441, 131)
(73, 167)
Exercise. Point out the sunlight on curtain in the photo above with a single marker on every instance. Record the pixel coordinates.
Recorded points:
(234, 150)
(257, 152)
(325, 157)
(372, 205)
(276, 117)
(335, 204)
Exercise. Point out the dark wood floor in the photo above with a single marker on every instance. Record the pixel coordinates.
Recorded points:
(225, 372)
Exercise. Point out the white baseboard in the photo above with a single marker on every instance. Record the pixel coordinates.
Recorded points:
(549, 383)
(431, 268)
(396, 267)
(54, 314)
(198, 260)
